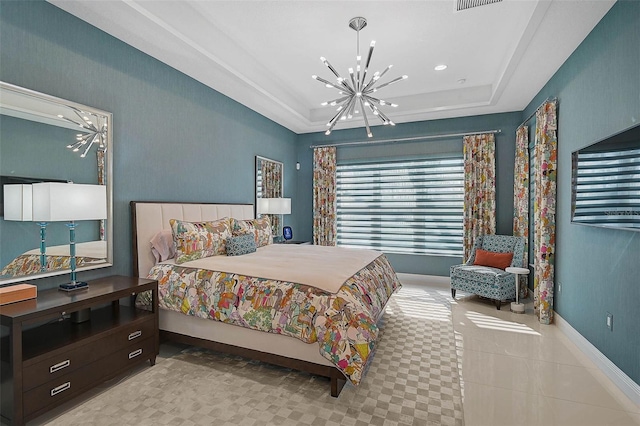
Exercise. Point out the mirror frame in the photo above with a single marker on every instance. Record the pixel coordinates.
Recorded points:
(21, 91)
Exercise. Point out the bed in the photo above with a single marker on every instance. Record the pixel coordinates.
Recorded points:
(57, 258)
(334, 330)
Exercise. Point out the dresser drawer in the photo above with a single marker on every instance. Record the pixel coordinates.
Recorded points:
(129, 356)
(77, 357)
(67, 386)
(132, 333)
(62, 389)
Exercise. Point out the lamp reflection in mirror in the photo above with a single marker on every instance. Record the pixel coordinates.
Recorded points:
(18, 207)
(274, 206)
(69, 202)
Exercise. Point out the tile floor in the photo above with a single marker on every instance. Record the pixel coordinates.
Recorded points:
(516, 371)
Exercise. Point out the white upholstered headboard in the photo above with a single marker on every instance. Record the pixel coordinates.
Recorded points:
(148, 218)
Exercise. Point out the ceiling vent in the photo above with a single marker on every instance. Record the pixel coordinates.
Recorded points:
(468, 4)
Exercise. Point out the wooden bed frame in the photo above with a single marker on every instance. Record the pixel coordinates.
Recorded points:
(148, 218)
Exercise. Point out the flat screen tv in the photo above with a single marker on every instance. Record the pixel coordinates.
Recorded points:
(606, 182)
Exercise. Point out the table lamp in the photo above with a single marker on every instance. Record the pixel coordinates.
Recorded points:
(18, 207)
(274, 206)
(69, 202)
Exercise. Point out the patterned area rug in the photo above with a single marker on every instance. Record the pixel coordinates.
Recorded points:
(412, 380)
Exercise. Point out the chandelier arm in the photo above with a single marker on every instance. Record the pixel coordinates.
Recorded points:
(87, 124)
(328, 64)
(326, 82)
(341, 110)
(384, 72)
(334, 102)
(383, 116)
(402, 77)
(346, 87)
(334, 120)
(369, 84)
(75, 147)
(366, 120)
(84, 154)
(75, 122)
(366, 65)
(352, 106)
(382, 102)
(353, 81)
(374, 110)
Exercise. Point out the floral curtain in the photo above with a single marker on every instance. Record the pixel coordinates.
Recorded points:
(521, 197)
(479, 188)
(272, 188)
(546, 153)
(324, 196)
(102, 180)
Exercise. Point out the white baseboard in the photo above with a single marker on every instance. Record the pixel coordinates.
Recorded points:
(617, 376)
(433, 280)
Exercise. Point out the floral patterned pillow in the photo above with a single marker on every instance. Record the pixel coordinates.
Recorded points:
(259, 228)
(195, 240)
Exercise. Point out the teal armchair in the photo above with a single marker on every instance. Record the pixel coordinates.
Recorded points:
(485, 281)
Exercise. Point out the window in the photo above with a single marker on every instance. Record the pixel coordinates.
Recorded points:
(407, 207)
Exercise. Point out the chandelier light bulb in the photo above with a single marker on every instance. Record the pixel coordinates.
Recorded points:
(357, 89)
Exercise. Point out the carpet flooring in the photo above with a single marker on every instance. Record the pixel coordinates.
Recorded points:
(413, 379)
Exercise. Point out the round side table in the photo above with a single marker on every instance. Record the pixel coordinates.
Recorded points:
(517, 307)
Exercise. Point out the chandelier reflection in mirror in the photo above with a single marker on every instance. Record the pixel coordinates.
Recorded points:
(94, 128)
(357, 93)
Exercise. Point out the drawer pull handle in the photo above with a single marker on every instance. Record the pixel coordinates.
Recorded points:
(59, 366)
(135, 334)
(63, 387)
(135, 353)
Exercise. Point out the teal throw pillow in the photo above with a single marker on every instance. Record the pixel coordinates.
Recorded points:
(241, 244)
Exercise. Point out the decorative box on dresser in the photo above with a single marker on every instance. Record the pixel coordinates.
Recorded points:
(47, 359)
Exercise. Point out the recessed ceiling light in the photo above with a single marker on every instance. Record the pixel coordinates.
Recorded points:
(440, 67)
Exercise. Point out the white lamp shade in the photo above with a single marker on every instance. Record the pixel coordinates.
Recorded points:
(61, 202)
(274, 206)
(17, 202)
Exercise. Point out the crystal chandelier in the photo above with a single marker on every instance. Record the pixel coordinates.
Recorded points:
(94, 131)
(356, 93)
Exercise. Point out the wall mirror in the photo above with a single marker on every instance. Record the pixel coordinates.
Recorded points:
(269, 184)
(48, 139)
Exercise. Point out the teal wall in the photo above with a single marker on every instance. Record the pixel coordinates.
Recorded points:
(505, 154)
(598, 90)
(174, 139)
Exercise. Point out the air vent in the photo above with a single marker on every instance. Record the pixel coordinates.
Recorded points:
(468, 4)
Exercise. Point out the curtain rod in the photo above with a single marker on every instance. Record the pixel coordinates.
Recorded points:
(417, 138)
(550, 98)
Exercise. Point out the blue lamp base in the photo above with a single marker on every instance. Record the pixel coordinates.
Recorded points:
(74, 284)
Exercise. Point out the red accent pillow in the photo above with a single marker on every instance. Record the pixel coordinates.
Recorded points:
(493, 259)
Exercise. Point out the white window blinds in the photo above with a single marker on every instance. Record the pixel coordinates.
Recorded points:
(408, 207)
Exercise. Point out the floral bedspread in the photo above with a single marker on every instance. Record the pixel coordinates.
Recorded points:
(343, 324)
(27, 264)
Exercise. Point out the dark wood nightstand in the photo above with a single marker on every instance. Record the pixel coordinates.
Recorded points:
(46, 359)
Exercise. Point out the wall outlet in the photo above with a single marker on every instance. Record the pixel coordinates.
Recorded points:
(610, 321)
(559, 287)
